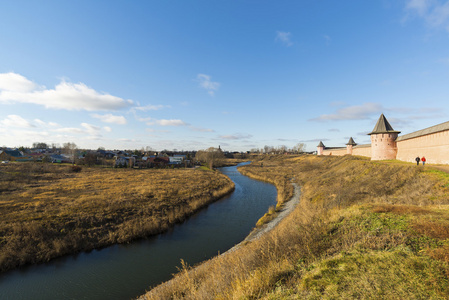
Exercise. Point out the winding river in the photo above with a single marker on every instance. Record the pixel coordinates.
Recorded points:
(127, 271)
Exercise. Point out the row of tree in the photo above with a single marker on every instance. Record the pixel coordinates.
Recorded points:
(297, 149)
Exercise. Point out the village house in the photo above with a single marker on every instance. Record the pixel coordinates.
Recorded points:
(14, 155)
(177, 159)
(126, 162)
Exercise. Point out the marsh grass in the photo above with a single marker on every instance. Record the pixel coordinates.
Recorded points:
(362, 230)
(267, 217)
(50, 210)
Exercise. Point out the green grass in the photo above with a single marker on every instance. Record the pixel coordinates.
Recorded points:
(442, 176)
(375, 275)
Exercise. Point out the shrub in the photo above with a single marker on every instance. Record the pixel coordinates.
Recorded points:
(76, 169)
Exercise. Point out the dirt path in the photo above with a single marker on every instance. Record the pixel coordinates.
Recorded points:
(288, 207)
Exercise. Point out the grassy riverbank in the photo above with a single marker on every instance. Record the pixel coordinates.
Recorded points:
(49, 210)
(362, 230)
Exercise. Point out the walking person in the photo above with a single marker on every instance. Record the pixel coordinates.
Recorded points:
(423, 159)
(417, 160)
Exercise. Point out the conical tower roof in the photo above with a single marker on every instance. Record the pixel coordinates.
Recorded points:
(321, 144)
(382, 126)
(351, 142)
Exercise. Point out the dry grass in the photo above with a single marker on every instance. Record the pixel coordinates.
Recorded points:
(362, 230)
(49, 211)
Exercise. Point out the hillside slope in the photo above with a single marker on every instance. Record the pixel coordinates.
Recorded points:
(362, 230)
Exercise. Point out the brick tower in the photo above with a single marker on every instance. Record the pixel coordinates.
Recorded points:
(320, 148)
(383, 140)
(350, 145)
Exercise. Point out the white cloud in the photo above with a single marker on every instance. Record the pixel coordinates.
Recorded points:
(16, 83)
(206, 83)
(40, 122)
(128, 140)
(151, 107)
(163, 122)
(110, 118)
(94, 137)
(16, 121)
(44, 124)
(170, 122)
(419, 6)
(30, 135)
(146, 120)
(237, 136)
(65, 95)
(72, 130)
(200, 129)
(91, 129)
(327, 39)
(157, 131)
(315, 140)
(434, 12)
(356, 112)
(284, 37)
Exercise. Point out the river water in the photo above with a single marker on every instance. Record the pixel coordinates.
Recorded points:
(127, 271)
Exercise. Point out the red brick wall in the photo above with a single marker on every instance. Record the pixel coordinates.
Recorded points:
(435, 147)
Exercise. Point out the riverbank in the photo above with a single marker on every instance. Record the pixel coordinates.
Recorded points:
(363, 229)
(283, 211)
(49, 211)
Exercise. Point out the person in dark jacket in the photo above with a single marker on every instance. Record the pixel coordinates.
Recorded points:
(417, 160)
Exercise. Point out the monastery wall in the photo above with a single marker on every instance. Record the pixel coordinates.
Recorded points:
(435, 147)
(335, 151)
(362, 150)
(431, 142)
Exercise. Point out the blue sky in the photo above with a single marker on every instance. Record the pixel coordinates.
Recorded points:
(189, 75)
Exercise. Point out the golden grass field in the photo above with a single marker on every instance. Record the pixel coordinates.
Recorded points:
(362, 230)
(49, 210)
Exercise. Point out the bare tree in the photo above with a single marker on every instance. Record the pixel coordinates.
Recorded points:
(268, 149)
(70, 149)
(212, 156)
(254, 150)
(281, 149)
(299, 148)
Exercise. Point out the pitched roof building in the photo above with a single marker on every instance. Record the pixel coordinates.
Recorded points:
(383, 126)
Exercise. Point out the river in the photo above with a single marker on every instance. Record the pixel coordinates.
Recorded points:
(127, 271)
